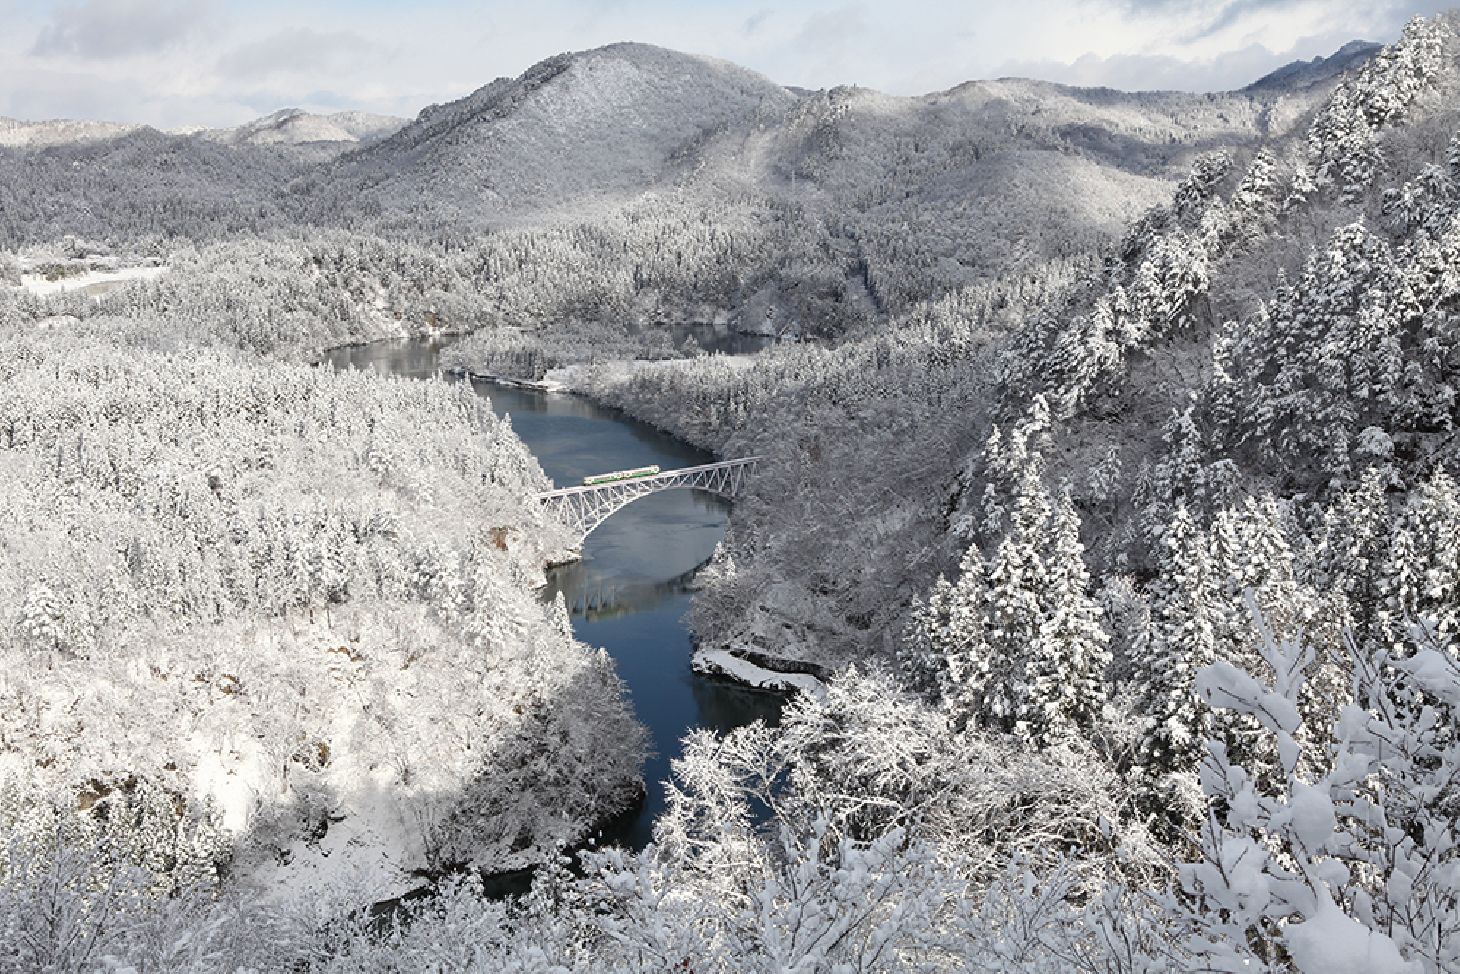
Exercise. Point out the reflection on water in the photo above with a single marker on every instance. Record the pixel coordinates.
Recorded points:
(718, 339)
(594, 596)
(628, 594)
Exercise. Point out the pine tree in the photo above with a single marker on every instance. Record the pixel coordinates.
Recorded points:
(1351, 549)
(1015, 578)
(967, 667)
(1183, 640)
(42, 617)
(918, 659)
(1433, 521)
(1063, 685)
(1400, 585)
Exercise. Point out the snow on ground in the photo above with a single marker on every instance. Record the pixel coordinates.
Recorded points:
(94, 283)
(547, 384)
(368, 848)
(719, 662)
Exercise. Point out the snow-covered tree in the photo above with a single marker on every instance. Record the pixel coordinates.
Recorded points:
(1347, 866)
(1063, 687)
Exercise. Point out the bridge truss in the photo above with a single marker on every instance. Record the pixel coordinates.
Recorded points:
(584, 508)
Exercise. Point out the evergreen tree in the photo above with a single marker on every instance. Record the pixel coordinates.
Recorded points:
(967, 668)
(1432, 526)
(1064, 688)
(918, 659)
(1185, 623)
(42, 617)
(1016, 578)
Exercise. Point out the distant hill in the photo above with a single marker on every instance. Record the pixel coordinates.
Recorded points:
(623, 119)
(1302, 74)
(915, 195)
(608, 121)
(289, 126)
(294, 126)
(14, 132)
(141, 181)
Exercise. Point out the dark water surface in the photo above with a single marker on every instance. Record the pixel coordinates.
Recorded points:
(627, 594)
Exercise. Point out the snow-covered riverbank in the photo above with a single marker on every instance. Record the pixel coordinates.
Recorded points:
(319, 663)
(96, 283)
(727, 665)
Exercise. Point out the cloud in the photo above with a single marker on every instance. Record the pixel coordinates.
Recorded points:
(1230, 15)
(756, 21)
(59, 94)
(106, 29)
(830, 42)
(44, 94)
(1189, 45)
(1150, 72)
(176, 66)
(834, 28)
(1204, 19)
(298, 51)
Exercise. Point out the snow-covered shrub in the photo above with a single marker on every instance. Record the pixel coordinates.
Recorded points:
(1350, 866)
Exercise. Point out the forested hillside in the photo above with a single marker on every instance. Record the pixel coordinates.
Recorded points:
(631, 184)
(232, 586)
(1194, 515)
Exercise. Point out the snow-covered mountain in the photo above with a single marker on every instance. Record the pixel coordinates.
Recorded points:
(609, 121)
(15, 132)
(1303, 74)
(294, 126)
(628, 118)
(984, 174)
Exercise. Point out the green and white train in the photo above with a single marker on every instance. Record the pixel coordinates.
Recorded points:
(608, 478)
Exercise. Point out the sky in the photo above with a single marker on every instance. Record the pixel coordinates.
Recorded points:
(190, 63)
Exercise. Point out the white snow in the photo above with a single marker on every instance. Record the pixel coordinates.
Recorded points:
(1436, 672)
(1332, 942)
(1312, 815)
(719, 662)
(96, 283)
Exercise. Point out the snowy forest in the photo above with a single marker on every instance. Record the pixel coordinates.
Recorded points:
(1138, 639)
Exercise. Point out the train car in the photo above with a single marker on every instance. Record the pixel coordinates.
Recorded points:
(608, 478)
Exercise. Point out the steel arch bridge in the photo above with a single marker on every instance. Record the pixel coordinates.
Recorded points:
(584, 508)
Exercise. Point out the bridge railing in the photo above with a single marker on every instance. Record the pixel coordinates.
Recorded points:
(652, 478)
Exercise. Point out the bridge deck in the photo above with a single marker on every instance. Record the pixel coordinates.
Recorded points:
(652, 478)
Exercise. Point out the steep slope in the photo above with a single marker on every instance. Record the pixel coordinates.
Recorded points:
(599, 123)
(959, 186)
(898, 412)
(143, 182)
(1300, 74)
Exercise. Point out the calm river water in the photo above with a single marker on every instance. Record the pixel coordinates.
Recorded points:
(627, 594)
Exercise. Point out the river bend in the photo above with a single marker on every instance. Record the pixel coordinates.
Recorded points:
(628, 593)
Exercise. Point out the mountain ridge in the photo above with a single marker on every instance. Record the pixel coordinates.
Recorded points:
(612, 117)
(1319, 69)
(946, 181)
(296, 126)
(628, 117)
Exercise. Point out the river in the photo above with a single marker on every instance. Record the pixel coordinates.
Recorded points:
(628, 592)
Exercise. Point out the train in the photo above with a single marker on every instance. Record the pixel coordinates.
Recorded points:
(608, 478)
